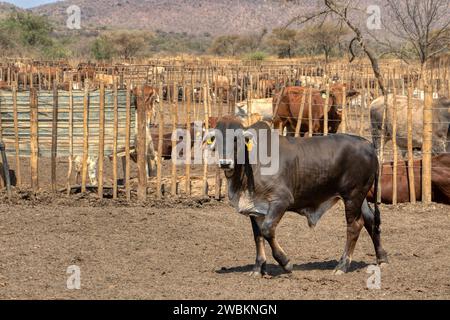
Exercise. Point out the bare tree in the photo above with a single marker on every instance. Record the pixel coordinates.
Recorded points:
(342, 11)
(424, 25)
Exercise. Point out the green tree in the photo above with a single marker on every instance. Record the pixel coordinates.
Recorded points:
(227, 45)
(102, 48)
(284, 42)
(31, 30)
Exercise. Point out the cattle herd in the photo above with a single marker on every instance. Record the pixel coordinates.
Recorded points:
(299, 99)
(329, 130)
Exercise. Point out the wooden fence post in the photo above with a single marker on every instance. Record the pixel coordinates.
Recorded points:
(160, 148)
(310, 120)
(188, 129)
(412, 185)
(300, 115)
(101, 140)
(127, 141)
(16, 137)
(54, 135)
(205, 165)
(85, 136)
(325, 109)
(427, 143)
(141, 144)
(115, 137)
(69, 171)
(174, 107)
(34, 143)
(344, 109)
(394, 146)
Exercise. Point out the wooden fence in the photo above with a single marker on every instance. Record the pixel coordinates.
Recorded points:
(99, 120)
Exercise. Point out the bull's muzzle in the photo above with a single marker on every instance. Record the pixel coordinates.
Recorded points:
(226, 164)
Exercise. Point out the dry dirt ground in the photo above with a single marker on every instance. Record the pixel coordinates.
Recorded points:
(202, 249)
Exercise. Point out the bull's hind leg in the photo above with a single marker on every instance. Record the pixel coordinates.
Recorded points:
(374, 233)
(355, 223)
(268, 230)
(260, 265)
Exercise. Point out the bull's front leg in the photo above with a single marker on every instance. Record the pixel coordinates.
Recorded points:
(260, 265)
(269, 225)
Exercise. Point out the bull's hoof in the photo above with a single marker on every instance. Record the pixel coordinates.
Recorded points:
(342, 267)
(288, 267)
(255, 274)
(338, 272)
(382, 259)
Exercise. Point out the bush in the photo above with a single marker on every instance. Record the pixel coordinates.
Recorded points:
(102, 48)
(257, 56)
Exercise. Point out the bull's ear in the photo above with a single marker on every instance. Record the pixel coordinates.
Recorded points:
(352, 93)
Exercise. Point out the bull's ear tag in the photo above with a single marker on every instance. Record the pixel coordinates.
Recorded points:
(209, 141)
(324, 95)
(249, 146)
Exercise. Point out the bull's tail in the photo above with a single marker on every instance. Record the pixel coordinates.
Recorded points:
(377, 214)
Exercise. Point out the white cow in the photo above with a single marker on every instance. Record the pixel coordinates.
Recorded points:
(151, 155)
(260, 109)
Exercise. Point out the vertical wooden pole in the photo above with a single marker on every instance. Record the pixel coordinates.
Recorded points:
(362, 107)
(84, 169)
(188, 129)
(101, 140)
(141, 144)
(34, 143)
(54, 135)
(344, 109)
(69, 171)
(174, 107)
(160, 149)
(325, 110)
(427, 143)
(310, 119)
(16, 137)
(3, 182)
(412, 185)
(115, 137)
(394, 146)
(127, 141)
(205, 165)
(300, 115)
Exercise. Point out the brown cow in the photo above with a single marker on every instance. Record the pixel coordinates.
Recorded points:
(4, 85)
(440, 181)
(289, 105)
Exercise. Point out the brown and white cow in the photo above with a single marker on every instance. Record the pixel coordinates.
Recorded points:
(287, 106)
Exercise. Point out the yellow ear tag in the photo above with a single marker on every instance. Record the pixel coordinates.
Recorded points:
(249, 146)
(324, 95)
(209, 142)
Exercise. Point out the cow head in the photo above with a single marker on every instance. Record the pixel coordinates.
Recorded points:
(231, 141)
(337, 96)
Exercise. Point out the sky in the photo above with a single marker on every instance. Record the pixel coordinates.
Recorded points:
(28, 3)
